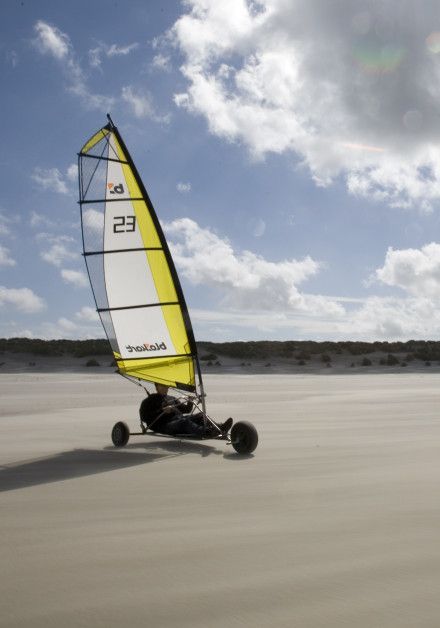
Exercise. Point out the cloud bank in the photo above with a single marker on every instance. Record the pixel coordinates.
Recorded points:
(352, 89)
(245, 280)
(22, 299)
(265, 297)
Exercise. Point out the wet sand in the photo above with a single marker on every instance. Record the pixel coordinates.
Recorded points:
(332, 523)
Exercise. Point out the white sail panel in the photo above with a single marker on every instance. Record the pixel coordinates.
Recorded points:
(129, 280)
(136, 328)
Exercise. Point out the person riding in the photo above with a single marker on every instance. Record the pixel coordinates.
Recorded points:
(168, 415)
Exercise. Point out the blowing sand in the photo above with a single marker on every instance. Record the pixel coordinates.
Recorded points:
(333, 522)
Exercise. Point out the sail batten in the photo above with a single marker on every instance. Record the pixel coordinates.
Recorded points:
(135, 284)
(110, 200)
(102, 158)
(130, 307)
(142, 248)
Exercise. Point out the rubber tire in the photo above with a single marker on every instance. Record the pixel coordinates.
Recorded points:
(244, 437)
(120, 434)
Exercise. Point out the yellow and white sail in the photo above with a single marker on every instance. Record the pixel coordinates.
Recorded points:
(134, 281)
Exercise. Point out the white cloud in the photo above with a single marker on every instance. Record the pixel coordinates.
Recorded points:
(141, 104)
(72, 172)
(22, 299)
(89, 99)
(58, 251)
(261, 297)
(10, 329)
(12, 58)
(75, 277)
(7, 220)
(39, 220)
(50, 179)
(4, 224)
(253, 324)
(61, 328)
(5, 257)
(87, 313)
(93, 219)
(391, 319)
(417, 271)
(117, 51)
(183, 187)
(54, 180)
(415, 315)
(377, 318)
(161, 62)
(112, 50)
(52, 41)
(67, 325)
(245, 280)
(352, 92)
(95, 55)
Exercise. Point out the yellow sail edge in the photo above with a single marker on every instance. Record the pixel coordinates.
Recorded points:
(168, 371)
(95, 139)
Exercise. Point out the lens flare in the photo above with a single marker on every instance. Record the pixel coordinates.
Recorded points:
(383, 60)
(363, 147)
(433, 43)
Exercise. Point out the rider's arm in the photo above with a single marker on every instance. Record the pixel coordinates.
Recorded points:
(168, 409)
(185, 407)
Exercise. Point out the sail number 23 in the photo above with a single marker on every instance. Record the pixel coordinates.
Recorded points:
(122, 224)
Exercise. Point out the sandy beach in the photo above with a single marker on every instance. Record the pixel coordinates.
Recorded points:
(333, 521)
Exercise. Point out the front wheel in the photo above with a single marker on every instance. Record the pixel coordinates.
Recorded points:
(120, 434)
(244, 437)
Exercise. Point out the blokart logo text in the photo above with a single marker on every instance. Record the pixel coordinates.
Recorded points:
(115, 189)
(146, 347)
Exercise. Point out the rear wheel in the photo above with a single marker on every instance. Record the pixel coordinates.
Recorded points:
(244, 437)
(120, 434)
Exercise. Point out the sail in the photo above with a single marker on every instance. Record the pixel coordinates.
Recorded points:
(134, 281)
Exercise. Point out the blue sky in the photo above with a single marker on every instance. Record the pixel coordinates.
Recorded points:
(291, 153)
